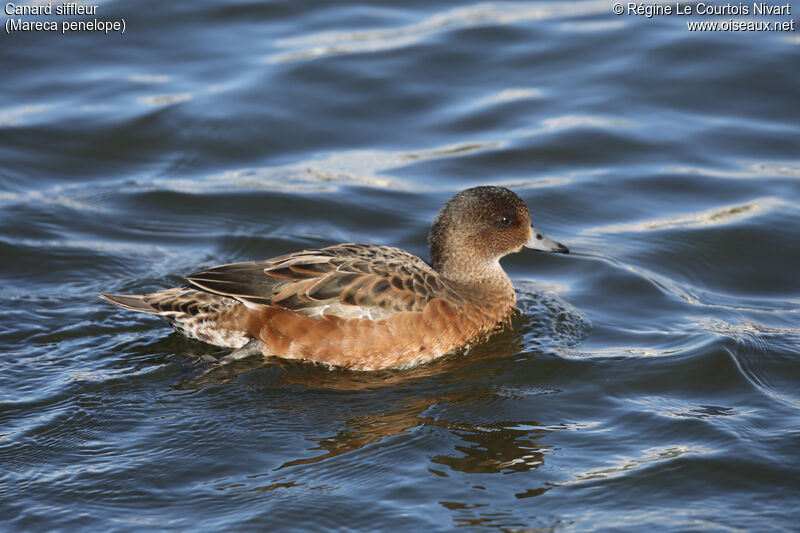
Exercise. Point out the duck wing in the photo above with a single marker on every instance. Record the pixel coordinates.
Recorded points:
(348, 280)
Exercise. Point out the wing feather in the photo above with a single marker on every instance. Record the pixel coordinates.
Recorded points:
(348, 279)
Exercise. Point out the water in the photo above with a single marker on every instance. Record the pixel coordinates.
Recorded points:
(651, 380)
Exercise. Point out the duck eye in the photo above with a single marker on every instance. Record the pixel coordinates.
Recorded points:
(505, 220)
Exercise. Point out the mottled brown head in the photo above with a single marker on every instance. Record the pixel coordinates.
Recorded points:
(477, 227)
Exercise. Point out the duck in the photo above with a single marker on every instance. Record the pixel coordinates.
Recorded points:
(362, 307)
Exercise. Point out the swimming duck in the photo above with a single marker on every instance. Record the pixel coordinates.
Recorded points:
(360, 306)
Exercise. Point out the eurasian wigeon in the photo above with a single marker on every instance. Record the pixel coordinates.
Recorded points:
(361, 306)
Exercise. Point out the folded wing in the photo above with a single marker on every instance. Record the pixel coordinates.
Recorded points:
(348, 280)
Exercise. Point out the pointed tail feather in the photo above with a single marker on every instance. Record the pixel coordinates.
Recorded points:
(200, 315)
(134, 302)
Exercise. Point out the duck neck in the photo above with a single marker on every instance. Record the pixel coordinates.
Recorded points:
(485, 282)
(468, 266)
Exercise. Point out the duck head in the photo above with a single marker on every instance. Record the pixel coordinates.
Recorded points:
(477, 227)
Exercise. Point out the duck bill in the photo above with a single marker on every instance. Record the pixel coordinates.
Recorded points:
(543, 243)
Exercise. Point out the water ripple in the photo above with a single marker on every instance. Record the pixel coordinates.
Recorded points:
(480, 15)
(751, 170)
(623, 466)
(713, 217)
(327, 173)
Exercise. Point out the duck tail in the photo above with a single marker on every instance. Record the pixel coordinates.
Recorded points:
(134, 302)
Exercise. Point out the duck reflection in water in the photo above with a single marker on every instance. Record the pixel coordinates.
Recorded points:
(407, 400)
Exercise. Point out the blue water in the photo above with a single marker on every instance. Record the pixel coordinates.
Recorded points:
(649, 382)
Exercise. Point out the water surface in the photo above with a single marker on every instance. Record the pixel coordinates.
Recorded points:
(650, 380)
